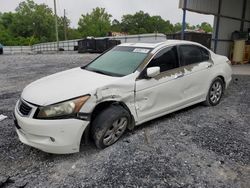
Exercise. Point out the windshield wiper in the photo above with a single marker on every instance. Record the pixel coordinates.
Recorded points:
(98, 71)
(102, 72)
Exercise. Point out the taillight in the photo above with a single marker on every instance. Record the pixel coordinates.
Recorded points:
(229, 62)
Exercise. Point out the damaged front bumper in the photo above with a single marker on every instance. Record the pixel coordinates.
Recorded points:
(52, 136)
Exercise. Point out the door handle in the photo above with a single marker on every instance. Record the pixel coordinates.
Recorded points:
(178, 76)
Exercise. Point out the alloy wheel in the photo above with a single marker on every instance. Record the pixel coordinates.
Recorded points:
(216, 92)
(115, 131)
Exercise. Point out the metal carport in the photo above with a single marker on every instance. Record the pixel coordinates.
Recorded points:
(229, 16)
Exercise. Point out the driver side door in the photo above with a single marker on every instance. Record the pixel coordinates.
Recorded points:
(162, 94)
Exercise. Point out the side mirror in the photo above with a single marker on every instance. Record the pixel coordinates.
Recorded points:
(153, 72)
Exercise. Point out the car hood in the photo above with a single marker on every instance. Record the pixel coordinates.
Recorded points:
(64, 85)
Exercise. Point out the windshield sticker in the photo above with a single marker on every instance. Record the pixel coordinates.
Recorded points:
(141, 50)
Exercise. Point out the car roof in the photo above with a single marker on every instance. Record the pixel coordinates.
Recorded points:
(158, 45)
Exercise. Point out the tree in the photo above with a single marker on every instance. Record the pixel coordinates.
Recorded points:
(34, 23)
(116, 26)
(157, 24)
(73, 34)
(128, 25)
(34, 20)
(6, 20)
(96, 24)
(191, 27)
(142, 22)
(30, 23)
(206, 27)
(177, 27)
(60, 22)
(135, 24)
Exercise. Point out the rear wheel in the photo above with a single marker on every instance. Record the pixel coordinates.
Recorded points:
(215, 92)
(109, 126)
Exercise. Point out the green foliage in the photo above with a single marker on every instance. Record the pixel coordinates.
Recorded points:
(157, 24)
(34, 20)
(137, 23)
(177, 27)
(33, 23)
(73, 34)
(142, 22)
(116, 26)
(95, 24)
(206, 27)
(60, 23)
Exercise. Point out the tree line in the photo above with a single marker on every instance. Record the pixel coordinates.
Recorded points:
(33, 23)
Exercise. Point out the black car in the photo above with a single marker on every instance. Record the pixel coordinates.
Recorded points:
(1, 48)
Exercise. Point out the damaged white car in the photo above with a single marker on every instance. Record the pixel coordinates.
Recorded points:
(125, 87)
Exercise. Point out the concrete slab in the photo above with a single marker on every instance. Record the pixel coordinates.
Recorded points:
(241, 69)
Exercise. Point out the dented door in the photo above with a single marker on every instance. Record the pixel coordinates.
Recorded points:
(159, 95)
(163, 93)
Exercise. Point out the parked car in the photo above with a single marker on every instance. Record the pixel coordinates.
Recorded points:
(1, 48)
(124, 87)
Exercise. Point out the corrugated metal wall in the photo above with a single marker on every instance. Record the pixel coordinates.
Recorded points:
(229, 9)
(202, 6)
(247, 24)
(232, 8)
(248, 10)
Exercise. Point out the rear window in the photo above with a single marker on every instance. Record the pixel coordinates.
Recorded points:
(191, 54)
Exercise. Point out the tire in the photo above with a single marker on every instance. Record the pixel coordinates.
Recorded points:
(109, 126)
(215, 92)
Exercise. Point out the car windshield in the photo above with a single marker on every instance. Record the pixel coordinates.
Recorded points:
(120, 61)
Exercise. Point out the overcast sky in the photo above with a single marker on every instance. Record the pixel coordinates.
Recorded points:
(168, 9)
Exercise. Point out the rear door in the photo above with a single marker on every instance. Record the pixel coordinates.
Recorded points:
(196, 63)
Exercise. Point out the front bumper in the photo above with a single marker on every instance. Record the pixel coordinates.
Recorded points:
(52, 136)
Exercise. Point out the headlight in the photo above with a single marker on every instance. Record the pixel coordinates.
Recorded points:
(62, 109)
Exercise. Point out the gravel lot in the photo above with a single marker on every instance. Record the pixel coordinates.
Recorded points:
(195, 147)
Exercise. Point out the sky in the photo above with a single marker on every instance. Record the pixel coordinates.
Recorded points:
(167, 9)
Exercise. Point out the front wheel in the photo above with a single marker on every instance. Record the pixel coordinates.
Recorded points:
(109, 126)
(215, 92)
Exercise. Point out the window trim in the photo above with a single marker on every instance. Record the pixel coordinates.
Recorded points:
(143, 72)
(200, 47)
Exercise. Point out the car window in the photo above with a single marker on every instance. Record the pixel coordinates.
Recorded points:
(166, 59)
(190, 54)
(120, 61)
(205, 54)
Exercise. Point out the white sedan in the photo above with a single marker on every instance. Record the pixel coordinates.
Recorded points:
(124, 87)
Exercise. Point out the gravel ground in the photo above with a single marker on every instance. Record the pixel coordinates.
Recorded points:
(195, 147)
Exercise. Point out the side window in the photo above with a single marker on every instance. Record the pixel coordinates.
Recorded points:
(166, 59)
(190, 54)
(205, 54)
